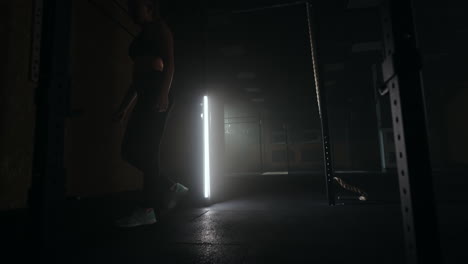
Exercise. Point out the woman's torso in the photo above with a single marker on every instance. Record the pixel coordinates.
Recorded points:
(147, 46)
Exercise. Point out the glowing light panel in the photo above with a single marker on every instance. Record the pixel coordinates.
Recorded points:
(206, 139)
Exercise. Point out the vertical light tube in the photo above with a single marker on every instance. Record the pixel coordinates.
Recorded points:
(206, 134)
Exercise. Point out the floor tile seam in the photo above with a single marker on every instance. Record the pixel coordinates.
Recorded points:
(198, 216)
(209, 244)
(256, 210)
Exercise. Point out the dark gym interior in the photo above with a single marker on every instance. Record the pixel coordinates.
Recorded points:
(314, 131)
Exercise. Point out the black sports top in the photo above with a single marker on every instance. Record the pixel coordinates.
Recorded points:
(147, 43)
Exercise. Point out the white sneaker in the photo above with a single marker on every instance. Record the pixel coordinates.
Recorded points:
(139, 217)
(176, 192)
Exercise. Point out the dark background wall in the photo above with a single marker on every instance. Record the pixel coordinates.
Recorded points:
(101, 74)
(443, 29)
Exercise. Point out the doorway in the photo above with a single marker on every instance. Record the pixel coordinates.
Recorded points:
(263, 69)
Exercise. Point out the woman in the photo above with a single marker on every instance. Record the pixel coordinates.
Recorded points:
(152, 53)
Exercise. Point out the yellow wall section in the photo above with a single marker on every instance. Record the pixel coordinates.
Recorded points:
(17, 110)
(101, 71)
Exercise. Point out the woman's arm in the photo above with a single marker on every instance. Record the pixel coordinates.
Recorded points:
(167, 55)
(166, 60)
(128, 100)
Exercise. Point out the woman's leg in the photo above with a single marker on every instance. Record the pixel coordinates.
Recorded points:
(155, 185)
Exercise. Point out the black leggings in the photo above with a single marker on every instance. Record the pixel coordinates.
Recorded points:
(141, 148)
(155, 185)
